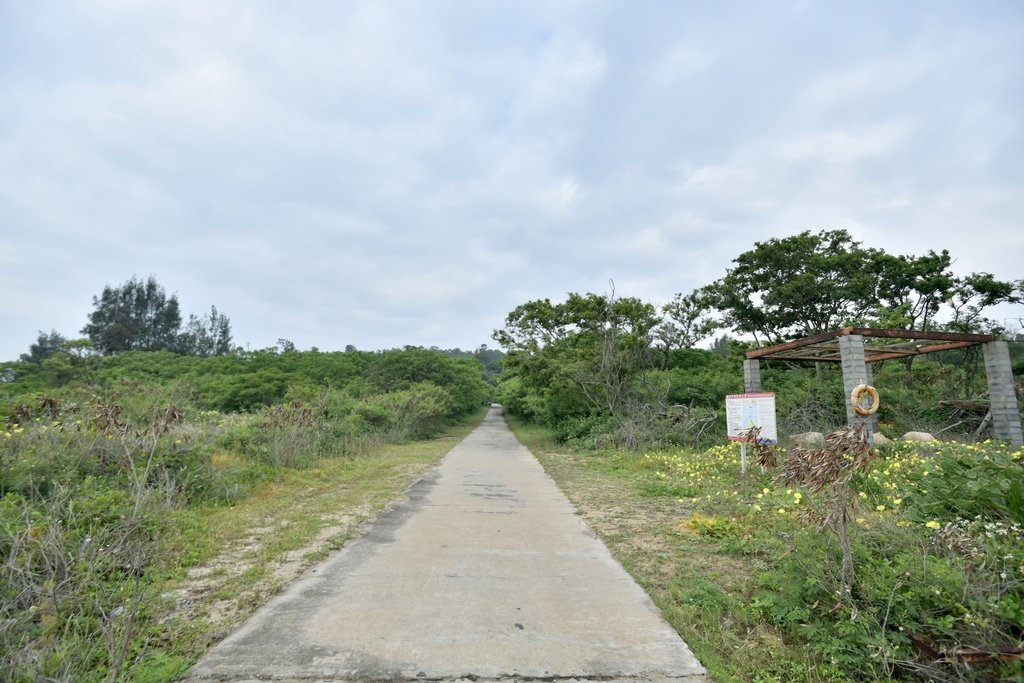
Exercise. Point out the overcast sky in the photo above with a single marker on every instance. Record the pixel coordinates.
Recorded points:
(391, 173)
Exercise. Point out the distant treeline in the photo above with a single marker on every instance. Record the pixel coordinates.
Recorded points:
(245, 381)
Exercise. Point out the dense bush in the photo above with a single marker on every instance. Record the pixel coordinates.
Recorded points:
(463, 378)
(81, 502)
(91, 468)
(922, 396)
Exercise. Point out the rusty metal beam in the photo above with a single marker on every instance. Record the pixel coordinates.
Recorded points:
(912, 346)
(823, 347)
(795, 344)
(797, 350)
(877, 357)
(868, 357)
(916, 334)
(947, 347)
(895, 351)
(811, 359)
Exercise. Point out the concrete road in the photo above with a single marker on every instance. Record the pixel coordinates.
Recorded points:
(485, 572)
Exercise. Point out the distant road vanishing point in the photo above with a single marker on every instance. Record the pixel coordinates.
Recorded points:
(484, 573)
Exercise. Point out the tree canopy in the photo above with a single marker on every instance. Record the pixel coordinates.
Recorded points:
(688, 320)
(632, 365)
(209, 335)
(811, 283)
(44, 347)
(803, 284)
(139, 316)
(583, 352)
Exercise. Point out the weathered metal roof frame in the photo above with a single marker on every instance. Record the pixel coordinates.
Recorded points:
(824, 348)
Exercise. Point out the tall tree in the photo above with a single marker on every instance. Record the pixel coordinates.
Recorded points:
(593, 344)
(800, 285)
(44, 347)
(971, 295)
(813, 283)
(137, 316)
(912, 289)
(687, 321)
(209, 335)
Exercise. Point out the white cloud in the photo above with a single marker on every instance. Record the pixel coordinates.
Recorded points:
(678, 64)
(561, 194)
(359, 172)
(840, 147)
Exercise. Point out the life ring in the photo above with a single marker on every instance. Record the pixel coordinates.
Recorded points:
(857, 396)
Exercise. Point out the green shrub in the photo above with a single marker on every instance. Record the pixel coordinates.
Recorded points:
(411, 413)
(581, 429)
(906, 590)
(937, 544)
(73, 593)
(969, 481)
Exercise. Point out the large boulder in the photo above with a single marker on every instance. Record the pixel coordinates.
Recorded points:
(879, 439)
(923, 437)
(807, 440)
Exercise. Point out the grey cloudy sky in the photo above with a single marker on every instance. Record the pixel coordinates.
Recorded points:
(390, 173)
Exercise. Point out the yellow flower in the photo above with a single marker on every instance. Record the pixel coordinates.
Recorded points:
(782, 511)
(880, 508)
(897, 501)
(932, 524)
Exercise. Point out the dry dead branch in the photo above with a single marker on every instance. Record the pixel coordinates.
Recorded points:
(828, 471)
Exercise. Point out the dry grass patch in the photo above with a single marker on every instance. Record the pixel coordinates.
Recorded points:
(222, 563)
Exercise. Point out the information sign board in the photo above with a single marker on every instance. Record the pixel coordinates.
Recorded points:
(744, 411)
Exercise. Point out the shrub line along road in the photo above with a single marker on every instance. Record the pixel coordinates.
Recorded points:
(485, 572)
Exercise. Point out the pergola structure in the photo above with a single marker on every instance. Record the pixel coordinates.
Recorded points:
(856, 348)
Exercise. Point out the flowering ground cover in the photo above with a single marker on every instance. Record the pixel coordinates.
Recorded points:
(742, 569)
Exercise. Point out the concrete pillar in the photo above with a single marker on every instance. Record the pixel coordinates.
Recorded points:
(855, 371)
(1005, 415)
(752, 376)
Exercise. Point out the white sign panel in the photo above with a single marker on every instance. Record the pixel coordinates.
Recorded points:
(744, 411)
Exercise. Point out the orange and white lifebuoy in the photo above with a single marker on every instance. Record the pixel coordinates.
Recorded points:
(857, 399)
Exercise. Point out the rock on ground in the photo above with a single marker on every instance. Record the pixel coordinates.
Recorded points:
(808, 440)
(923, 437)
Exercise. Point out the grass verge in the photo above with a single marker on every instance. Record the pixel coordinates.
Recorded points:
(697, 587)
(741, 571)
